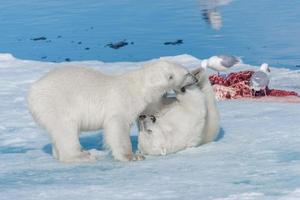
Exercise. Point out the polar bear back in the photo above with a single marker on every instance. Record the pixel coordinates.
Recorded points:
(71, 92)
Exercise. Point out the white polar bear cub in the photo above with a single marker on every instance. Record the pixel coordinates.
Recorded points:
(69, 100)
(190, 120)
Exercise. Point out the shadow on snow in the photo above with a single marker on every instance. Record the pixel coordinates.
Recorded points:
(94, 141)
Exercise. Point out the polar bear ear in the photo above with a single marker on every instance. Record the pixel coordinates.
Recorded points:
(200, 74)
(196, 72)
(157, 79)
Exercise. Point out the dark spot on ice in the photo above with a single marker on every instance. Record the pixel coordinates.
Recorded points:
(44, 57)
(131, 42)
(59, 36)
(79, 42)
(177, 42)
(90, 28)
(297, 65)
(39, 38)
(48, 41)
(67, 59)
(87, 48)
(205, 15)
(117, 45)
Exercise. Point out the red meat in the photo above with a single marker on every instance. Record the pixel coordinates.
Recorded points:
(237, 85)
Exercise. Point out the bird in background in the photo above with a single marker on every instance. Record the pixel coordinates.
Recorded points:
(211, 13)
(220, 63)
(260, 79)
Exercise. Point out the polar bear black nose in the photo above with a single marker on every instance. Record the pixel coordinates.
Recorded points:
(142, 117)
(182, 89)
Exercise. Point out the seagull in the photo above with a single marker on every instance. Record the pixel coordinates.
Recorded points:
(210, 12)
(260, 79)
(220, 62)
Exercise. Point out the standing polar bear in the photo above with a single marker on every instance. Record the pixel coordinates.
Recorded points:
(69, 100)
(191, 119)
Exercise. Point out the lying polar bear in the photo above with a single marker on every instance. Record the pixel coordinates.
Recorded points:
(69, 100)
(187, 121)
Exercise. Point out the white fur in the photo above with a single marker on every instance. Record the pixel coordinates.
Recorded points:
(212, 121)
(69, 100)
(190, 120)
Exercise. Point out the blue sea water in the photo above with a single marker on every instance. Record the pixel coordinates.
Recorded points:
(257, 30)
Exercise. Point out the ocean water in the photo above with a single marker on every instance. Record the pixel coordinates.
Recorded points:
(257, 30)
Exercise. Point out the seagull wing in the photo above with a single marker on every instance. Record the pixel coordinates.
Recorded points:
(228, 61)
(259, 80)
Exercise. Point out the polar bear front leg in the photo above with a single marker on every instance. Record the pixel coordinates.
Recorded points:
(117, 137)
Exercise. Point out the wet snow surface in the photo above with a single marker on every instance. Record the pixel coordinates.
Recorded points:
(256, 156)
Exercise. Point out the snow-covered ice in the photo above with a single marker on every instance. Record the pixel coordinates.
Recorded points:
(256, 156)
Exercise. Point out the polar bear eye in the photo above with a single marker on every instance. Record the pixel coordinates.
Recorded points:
(171, 77)
(153, 118)
(149, 131)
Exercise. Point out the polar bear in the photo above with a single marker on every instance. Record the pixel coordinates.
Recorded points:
(69, 100)
(212, 123)
(188, 121)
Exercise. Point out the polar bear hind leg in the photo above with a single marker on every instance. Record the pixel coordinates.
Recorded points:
(66, 146)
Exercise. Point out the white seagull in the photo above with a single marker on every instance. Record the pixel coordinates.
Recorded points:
(260, 79)
(220, 62)
(210, 12)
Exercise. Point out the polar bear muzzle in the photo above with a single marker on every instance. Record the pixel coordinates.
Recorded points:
(189, 80)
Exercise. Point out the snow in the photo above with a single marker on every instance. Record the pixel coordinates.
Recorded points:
(256, 156)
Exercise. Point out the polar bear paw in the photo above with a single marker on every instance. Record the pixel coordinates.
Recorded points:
(131, 157)
(82, 156)
(138, 157)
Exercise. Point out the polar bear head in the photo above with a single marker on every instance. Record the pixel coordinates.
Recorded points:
(162, 76)
(151, 139)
